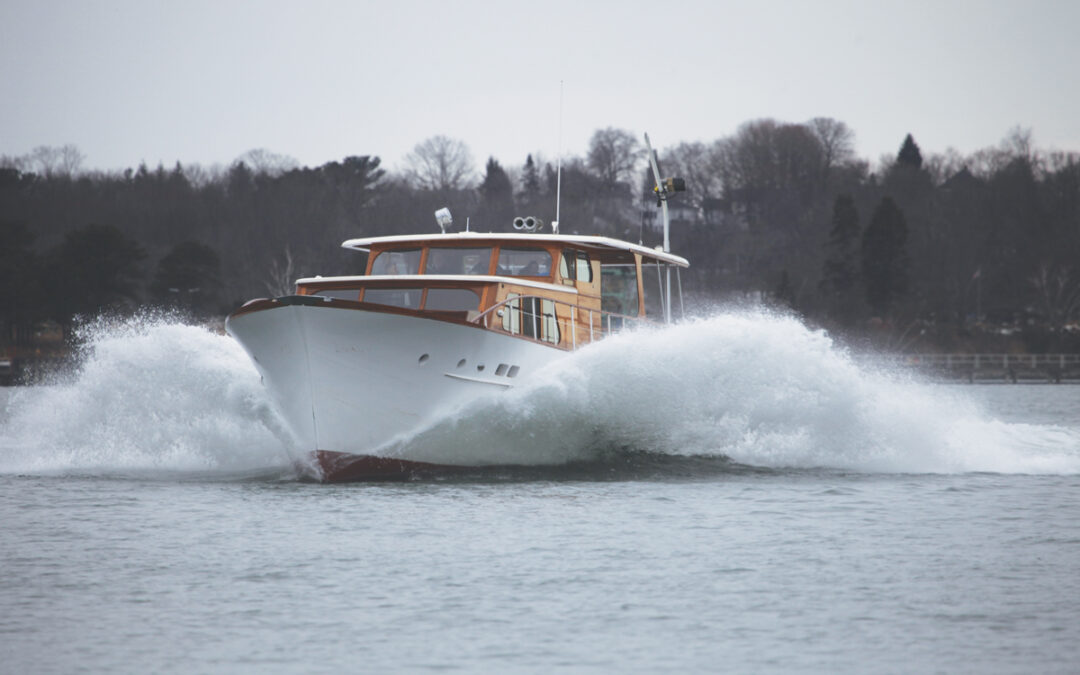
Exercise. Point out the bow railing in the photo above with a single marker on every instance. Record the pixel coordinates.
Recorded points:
(555, 322)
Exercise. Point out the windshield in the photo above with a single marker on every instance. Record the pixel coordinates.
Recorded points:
(458, 261)
(524, 262)
(400, 261)
(408, 298)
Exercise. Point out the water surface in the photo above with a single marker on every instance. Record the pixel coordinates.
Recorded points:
(746, 515)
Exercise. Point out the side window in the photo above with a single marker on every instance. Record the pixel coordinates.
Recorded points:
(531, 317)
(549, 324)
(567, 268)
(575, 266)
(584, 267)
(618, 286)
(651, 287)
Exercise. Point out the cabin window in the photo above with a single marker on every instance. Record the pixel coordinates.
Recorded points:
(339, 293)
(618, 289)
(409, 298)
(400, 261)
(452, 299)
(652, 278)
(584, 268)
(511, 316)
(549, 324)
(532, 317)
(458, 260)
(524, 262)
(575, 266)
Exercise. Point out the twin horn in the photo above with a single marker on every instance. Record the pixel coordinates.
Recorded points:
(528, 224)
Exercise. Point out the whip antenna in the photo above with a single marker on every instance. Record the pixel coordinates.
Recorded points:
(558, 164)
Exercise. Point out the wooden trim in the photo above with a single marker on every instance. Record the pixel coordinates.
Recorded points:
(267, 304)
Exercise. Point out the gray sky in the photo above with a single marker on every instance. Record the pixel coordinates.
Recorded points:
(203, 82)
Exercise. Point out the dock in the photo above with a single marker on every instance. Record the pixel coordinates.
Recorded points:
(1015, 368)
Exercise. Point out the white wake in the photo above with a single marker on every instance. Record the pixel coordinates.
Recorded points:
(159, 397)
(755, 387)
(152, 396)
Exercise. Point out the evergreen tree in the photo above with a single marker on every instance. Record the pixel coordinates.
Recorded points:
(497, 195)
(530, 181)
(20, 291)
(909, 154)
(840, 271)
(784, 293)
(241, 180)
(884, 257)
(97, 270)
(551, 178)
(188, 276)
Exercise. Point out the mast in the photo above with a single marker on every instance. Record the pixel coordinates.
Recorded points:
(664, 189)
(662, 194)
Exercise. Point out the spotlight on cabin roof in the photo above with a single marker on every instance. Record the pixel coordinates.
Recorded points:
(444, 219)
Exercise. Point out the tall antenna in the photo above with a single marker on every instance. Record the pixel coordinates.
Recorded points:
(558, 163)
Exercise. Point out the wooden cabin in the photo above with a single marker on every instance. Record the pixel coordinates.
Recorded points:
(562, 290)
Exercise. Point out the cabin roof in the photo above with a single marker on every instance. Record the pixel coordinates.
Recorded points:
(426, 279)
(599, 245)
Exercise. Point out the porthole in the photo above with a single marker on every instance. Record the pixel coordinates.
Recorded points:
(501, 370)
(480, 368)
(513, 371)
(461, 363)
(423, 359)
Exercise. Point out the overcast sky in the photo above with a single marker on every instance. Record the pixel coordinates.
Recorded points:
(203, 82)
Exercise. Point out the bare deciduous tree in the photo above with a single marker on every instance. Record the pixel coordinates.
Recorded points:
(837, 142)
(692, 162)
(281, 275)
(263, 161)
(944, 165)
(613, 155)
(12, 162)
(1059, 292)
(49, 161)
(1018, 144)
(439, 163)
(767, 155)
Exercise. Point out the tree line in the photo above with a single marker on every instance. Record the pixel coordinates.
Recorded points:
(945, 251)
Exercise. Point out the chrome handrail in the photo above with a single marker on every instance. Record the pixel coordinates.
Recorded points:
(562, 319)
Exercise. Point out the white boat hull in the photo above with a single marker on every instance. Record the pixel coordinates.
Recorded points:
(349, 382)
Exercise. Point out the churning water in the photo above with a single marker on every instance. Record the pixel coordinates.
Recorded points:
(757, 389)
(733, 493)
